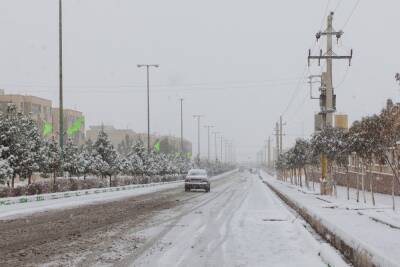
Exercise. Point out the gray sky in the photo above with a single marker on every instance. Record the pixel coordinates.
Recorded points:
(239, 63)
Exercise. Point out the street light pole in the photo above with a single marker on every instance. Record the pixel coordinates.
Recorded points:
(215, 145)
(181, 100)
(208, 140)
(61, 106)
(222, 159)
(198, 117)
(148, 99)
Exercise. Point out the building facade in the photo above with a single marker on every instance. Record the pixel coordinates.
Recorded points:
(168, 144)
(42, 112)
(71, 118)
(38, 108)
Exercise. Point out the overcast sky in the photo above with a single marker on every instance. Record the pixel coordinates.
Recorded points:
(239, 63)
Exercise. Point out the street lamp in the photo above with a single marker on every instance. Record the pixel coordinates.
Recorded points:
(216, 146)
(198, 117)
(148, 100)
(181, 101)
(208, 127)
(60, 74)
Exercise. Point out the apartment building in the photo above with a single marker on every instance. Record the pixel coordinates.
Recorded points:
(71, 118)
(38, 108)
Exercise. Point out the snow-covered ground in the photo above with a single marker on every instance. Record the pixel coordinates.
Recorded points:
(28, 208)
(24, 209)
(239, 223)
(372, 228)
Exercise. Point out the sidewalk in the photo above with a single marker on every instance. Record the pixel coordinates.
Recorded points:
(373, 231)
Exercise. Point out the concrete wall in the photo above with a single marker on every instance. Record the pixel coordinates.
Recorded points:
(382, 182)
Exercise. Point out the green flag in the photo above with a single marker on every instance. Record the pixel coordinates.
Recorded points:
(47, 128)
(157, 145)
(75, 126)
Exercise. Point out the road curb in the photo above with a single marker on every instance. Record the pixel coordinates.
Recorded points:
(52, 196)
(356, 253)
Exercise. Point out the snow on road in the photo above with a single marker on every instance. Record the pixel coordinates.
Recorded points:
(240, 223)
(25, 209)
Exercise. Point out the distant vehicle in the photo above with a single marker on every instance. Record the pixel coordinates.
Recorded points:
(197, 179)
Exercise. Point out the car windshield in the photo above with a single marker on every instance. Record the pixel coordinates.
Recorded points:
(197, 172)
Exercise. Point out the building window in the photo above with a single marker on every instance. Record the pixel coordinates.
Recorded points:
(36, 109)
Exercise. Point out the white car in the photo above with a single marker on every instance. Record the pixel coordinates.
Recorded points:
(197, 179)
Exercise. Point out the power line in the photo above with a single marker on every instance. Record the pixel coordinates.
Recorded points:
(351, 14)
(184, 85)
(337, 5)
(303, 76)
(124, 89)
(343, 79)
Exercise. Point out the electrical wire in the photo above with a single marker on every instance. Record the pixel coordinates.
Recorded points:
(351, 14)
(343, 78)
(337, 5)
(123, 89)
(296, 90)
(141, 86)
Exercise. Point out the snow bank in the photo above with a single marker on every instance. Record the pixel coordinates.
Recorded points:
(365, 241)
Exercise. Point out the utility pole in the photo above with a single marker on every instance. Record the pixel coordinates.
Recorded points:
(222, 159)
(397, 77)
(198, 117)
(61, 108)
(277, 136)
(215, 145)
(226, 151)
(208, 127)
(181, 100)
(327, 97)
(280, 135)
(269, 152)
(148, 99)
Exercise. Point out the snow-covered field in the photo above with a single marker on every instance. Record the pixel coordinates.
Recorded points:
(239, 223)
(375, 229)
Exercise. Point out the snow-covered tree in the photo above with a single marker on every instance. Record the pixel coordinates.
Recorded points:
(51, 158)
(71, 158)
(301, 155)
(105, 152)
(20, 135)
(137, 159)
(5, 170)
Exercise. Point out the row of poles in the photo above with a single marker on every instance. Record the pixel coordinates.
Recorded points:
(268, 152)
(225, 155)
(61, 110)
(226, 150)
(327, 98)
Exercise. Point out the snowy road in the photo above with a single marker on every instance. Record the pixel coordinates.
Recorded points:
(240, 223)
